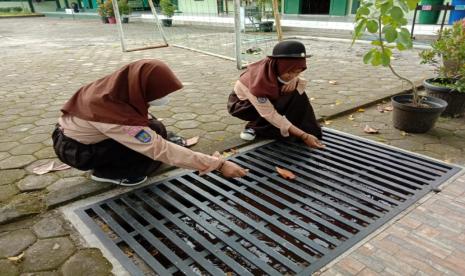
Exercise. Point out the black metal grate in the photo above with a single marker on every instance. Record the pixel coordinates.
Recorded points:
(263, 224)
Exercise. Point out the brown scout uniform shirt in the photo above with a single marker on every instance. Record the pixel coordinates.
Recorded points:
(155, 147)
(265, 108)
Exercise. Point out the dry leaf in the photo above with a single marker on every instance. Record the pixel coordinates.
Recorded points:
(285, 173)
(192, 141)
(160, 119)
(360, 110)
(351, 117)
(55, 246)
(388, 108)
(403, 133)
(327, 122)
(370, 130)
(333, 82)
(338, 102)
(312, 99)
(48, 167)
(380, 108)
(16, 258)
(229, 274)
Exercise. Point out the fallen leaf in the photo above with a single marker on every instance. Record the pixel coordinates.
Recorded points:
(55, 246)
(333, 82)
(229, 274)
(192, 141)
(380, 108)
(388, 108)
(327, 122)
(370, 130)
(16, 258)
(48, 167)
(360, 110)
(160, 119)
(338, 102)
(285, 173)
(381, 139)
(403, 133)
(312, 99)
(351, 117)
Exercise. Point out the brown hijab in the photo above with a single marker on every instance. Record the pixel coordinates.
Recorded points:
(262, 77)
(121, 97)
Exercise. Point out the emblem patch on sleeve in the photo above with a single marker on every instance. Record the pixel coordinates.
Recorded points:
(262, 99)
(143, 136)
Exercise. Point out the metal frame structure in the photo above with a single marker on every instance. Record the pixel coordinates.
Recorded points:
(446, 8)
(124, 47)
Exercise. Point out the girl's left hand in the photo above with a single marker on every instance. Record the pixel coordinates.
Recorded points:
(291, 86)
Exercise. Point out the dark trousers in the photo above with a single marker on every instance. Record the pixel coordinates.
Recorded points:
(107, 158)
(295, 107)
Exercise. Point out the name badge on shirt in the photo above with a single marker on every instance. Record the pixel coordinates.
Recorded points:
(143, 136)
(262, 99)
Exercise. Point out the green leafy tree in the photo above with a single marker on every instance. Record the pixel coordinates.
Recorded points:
(387, 20)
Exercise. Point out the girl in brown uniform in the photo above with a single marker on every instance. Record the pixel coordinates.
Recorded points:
(106, 127)
(270, 95)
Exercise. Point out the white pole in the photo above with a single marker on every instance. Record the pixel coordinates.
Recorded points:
(237, 30)
(118, 22)
(157, 20)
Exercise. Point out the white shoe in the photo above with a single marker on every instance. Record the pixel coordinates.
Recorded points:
(248, 134)
(129, 181)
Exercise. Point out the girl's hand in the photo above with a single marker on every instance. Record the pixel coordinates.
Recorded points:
(312, 141)
(291, 86)
(230, 169)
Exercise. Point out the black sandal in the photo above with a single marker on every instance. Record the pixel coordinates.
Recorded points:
(178, 140)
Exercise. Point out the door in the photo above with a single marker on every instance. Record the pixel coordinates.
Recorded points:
(315, 7)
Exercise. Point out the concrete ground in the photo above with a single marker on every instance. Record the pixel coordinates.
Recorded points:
(46, 60)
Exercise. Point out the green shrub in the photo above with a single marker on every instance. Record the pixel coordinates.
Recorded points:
(167, 8)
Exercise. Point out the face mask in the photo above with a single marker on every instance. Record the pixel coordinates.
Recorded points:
(159, 102)
(283, 82)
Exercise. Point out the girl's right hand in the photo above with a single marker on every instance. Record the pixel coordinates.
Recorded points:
(312, 141)
(230, 169)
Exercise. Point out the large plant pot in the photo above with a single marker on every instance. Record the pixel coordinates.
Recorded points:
(125, 20)
(455, 100)
(414, 119)
(167, 22)
(104, 19)
(266, 26)
(112, 20)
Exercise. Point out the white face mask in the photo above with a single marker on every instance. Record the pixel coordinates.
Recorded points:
(160, 102)
(283, 82)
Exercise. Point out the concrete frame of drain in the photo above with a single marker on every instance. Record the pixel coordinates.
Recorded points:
(91, 240)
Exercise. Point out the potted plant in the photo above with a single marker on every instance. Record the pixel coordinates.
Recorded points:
(387, 20)
(167, 9)
(102, 12)
(447, 54)
(110, 12)
(264, 26)
(125, 10)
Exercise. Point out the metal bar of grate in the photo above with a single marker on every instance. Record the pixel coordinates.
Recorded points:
(263, 224)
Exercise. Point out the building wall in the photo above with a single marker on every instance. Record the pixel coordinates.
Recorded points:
(198, 7)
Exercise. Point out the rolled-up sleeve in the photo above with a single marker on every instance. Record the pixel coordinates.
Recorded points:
(265, 108)
(147, 142)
